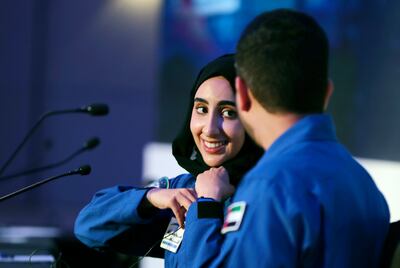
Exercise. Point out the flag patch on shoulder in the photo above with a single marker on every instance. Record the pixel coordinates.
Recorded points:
(234, 216)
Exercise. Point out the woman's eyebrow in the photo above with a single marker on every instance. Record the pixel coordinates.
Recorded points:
(200, 100)
(220, 103)
(226, 102)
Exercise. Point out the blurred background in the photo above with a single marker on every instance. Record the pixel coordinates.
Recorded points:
(141, 57)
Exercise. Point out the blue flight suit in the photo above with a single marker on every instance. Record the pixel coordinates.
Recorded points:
(111, 219)
(308, 204)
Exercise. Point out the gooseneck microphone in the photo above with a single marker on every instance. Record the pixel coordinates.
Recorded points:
(88, 145)
(83, 170)
(96, 109)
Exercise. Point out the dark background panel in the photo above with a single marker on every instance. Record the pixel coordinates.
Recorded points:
(65, 54)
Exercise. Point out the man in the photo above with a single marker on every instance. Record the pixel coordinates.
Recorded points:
(307, 202)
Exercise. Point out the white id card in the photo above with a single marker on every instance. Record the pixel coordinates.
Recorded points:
(173, 236)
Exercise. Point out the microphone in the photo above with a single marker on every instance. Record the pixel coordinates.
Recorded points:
(83, 170)
(88, 145)
(95, 109)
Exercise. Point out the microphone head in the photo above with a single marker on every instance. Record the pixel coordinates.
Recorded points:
(92, 143)
(84, 170)
(96, 109)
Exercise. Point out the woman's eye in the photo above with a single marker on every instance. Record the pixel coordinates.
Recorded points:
(201, 110)
(229, 114)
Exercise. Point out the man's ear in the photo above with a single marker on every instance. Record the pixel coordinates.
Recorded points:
(243, 100)
(329, 91)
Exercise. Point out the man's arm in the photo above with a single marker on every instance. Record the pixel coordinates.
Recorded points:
(276, 228)
(202, 239)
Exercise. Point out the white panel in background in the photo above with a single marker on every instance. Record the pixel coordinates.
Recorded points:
(149, 262)
(386, 175)
(158, 161)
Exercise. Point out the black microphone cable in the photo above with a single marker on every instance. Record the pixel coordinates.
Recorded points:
(96, 109)
(88, 145)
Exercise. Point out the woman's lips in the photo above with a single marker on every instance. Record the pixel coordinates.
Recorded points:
(214, 147)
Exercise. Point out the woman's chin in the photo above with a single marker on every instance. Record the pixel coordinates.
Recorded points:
(214, 161)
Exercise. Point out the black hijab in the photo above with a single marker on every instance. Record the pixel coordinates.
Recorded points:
(184, 148)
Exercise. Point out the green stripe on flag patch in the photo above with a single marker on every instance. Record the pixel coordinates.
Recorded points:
(236, 208)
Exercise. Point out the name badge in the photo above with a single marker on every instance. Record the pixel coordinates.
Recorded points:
(234, 216)
(173, 236)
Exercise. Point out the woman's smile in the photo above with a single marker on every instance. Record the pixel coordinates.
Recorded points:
(214, 147)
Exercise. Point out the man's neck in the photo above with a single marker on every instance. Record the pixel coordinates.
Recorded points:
(271, 126)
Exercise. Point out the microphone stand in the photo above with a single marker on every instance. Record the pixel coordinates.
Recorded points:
(33, 129)
(84, 170)
(90, 144)
(93, 109)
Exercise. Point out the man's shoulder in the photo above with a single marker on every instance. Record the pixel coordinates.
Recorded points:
(291, 172)
(272, 167)
(267, 175)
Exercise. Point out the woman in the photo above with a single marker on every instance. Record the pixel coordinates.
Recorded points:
(131, 220)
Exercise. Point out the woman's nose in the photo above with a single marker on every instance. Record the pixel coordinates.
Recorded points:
(212, 125)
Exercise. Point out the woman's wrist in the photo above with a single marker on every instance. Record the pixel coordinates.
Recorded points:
(146, 209)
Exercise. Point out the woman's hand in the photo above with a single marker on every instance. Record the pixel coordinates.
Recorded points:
(214, 183)
(178, 200)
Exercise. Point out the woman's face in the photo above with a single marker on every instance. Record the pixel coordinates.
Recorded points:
(215, 125)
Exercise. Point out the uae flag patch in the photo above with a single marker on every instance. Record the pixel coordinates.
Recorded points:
(234, 216)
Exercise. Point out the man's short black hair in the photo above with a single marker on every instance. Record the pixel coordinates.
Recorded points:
(283, 57)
